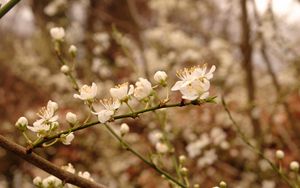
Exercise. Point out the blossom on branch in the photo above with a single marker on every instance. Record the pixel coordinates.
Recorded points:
(194, 82)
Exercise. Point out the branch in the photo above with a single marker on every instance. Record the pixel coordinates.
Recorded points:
(46, 165)
(9, 5)
(40, 142)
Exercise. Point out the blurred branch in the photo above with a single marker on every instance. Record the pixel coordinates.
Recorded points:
(276, 84)
(246, 50)
(47, 166)
(252, 147)
(9, 5)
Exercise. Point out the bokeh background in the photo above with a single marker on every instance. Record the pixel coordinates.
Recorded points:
(255, 45)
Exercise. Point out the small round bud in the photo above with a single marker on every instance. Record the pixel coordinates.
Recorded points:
(57, 33)
(182, 159)
(124, 129)
(160, 77)
(22, 123)
(65, 69)
(279, 154)
(71, 118)
(73, 50)
(196, 186)
(37, 181)
(161, 148)
(184, 171)
(223, 184)
(294, 166)
(67, 139)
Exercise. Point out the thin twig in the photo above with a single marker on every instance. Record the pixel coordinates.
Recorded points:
(7, 7)
(46, 165)
(128, 115)
(252, 147)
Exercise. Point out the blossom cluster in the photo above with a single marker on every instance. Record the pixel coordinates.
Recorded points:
(52, 181)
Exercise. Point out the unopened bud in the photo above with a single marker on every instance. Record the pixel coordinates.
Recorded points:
(22, 123)
(65, 69)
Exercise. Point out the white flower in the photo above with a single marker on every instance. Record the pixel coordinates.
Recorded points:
(294, 166)
(122, 92)
(195, 148)
(161, 147)
(51, 181)
(85, 175)
(209, 157)
(160, 77)
(71, 118)
(57, 33)
(65, 69)
(124, 129)
(73, 50)
(279, 154)
(69, 168)
(194, 82)
(48, 119)
(143, 89)
(67, 139)
(22, 123)
(87, 93)
(104, 115)
(110, 105)
(37, 180)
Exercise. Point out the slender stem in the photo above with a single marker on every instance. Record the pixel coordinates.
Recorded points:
(257, 151)
(47, 165)
(26, 137)
(9, 5)
(39, 142)
(129, 148)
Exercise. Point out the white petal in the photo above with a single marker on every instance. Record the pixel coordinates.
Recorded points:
(177, 86)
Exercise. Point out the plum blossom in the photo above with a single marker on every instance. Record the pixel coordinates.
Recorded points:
(124, 129)
(71, 118)
(57, 33)
(87, 93)
(110, 105)
(48, 119)
(143, 89)
(66, 139)
(194, 83)
(22, 123)
(160, 77)
(122, 91)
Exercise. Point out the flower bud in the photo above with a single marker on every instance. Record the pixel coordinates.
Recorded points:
(67, 139)
(279, 154)
(22, 123)
(161, 148)
(71, 118)
(160, 77)
(57, 33)
(37, 181)
(294, 166)
(184, 171)
(73, 50)
(196, 186)
(182, 159)
(223, 184)
(65, 69)
(124, 129)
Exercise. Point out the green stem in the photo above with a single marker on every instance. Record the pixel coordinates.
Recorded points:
(257, 151)
(9, 5)
(38, 143)
(127, 147)
(27, 138)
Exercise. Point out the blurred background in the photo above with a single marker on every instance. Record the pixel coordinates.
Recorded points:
(254, 44)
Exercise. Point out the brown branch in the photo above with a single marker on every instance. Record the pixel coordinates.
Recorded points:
(42, 163)
(246, 50)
